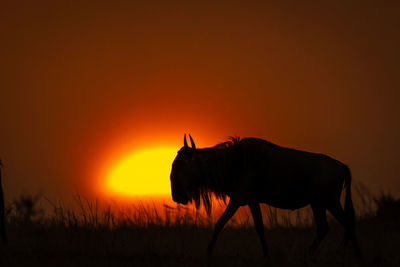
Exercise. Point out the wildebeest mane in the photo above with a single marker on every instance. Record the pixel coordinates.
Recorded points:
(216, 167)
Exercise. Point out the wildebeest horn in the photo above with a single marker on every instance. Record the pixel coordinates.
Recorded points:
(191, 141)
(185, 142)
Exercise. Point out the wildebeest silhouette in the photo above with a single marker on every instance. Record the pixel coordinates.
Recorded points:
(2, 210)
(251, 171)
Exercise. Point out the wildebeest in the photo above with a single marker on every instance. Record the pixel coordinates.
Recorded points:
(251, 171)
(2, 211)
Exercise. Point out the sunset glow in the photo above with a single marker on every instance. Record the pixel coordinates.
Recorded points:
(145, 172)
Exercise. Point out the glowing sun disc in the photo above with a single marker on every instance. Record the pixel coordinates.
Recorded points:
(145, 172)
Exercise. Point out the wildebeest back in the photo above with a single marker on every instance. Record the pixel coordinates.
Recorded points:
(284, 177)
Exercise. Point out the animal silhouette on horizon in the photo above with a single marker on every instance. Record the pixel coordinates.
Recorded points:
(251, 171)
(2, 211)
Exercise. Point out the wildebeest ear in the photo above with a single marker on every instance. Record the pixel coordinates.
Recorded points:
(191, 140)
(184, 141)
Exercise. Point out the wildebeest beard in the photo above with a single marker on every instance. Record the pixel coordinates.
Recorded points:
(217, 168)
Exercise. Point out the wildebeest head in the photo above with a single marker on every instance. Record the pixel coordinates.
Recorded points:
(184, 174)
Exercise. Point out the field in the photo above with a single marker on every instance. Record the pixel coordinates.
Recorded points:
(94, 236)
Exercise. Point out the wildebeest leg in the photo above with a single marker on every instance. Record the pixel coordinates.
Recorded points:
(258, 223)
(228, 213)
(349, 228)
(322, 226)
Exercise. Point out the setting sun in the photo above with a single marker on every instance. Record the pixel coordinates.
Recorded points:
(145, 172)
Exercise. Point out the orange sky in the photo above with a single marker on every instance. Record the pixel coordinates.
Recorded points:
(81, 85)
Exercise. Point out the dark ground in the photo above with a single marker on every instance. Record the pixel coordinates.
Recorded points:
(38, 245)
(93, 238)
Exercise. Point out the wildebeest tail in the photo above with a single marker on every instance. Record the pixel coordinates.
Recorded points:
(348, 202)
(2, 212)
(350, 215)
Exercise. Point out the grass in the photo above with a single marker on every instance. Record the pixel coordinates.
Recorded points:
(99, 235)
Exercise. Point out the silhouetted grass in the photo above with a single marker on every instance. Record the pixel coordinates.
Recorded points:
(94, 234)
